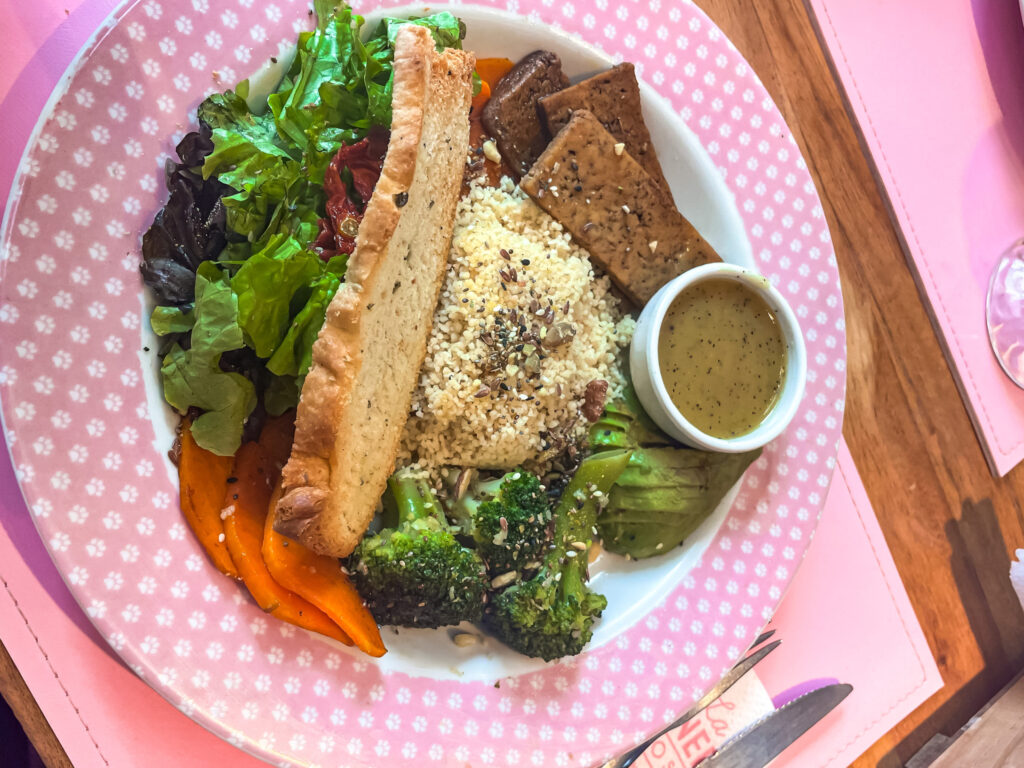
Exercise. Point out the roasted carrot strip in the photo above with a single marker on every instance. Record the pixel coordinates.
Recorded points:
(319, 579)
(492, 70)
(203, 478)
(256, 470)
(481, 98)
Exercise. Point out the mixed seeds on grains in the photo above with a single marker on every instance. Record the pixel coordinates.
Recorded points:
(523, 327)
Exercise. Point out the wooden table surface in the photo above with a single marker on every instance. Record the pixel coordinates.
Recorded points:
(950, 525)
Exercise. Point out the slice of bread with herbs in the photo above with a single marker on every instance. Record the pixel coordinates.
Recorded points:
(356, 397)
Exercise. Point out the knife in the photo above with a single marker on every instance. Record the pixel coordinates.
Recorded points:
(727, 682)
(731, 678)
(765, 740)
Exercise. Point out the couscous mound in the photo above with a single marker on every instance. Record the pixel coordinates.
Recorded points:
(522, 327)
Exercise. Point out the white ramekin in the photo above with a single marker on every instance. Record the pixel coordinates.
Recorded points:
(645, 368)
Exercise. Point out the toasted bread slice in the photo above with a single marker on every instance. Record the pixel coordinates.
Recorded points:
(355, 400)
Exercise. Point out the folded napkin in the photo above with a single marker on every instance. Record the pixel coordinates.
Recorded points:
(688, 745)
(736, 710)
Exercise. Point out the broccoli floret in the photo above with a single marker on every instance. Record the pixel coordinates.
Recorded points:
(553, 614)
(666, 491)
(507, 519)
(415, 573)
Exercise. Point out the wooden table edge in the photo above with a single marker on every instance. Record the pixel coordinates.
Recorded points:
(21, 701)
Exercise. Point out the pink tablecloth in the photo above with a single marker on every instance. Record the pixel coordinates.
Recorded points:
(846, 615)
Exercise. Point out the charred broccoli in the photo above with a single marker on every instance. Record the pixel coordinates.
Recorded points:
(553, 614)
(507, 518)
(666, 491)
(415, 573)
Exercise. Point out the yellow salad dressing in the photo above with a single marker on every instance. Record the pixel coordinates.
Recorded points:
(722, 357)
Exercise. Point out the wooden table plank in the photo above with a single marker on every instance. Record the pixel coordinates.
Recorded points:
(996, 740)
(949, 523)
(25, 708)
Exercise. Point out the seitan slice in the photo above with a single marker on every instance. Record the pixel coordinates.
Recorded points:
(355, 400)
(510, 116)
(614, 98)
(614, 209)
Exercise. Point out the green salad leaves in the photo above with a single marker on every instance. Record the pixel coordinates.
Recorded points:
(193, 377)
(263, 296)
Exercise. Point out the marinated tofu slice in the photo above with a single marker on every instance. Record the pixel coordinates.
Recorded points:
(614, 209)
(614, 99)
(510, 116)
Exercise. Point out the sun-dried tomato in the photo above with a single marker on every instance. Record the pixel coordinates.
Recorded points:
(364, 160)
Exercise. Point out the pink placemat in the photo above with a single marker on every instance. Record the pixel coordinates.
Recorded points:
(938, 89)
(847, 616)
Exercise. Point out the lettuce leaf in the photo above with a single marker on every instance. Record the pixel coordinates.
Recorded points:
(445, 28)
(166, 320)
(281, 394)
(266, 284)
(193, 378)
(379, 52)
(226, 399)
(294, 355)
(327, 64)
(228, 109)
(268, 293)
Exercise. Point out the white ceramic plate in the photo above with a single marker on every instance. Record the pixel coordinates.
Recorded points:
(88, 432)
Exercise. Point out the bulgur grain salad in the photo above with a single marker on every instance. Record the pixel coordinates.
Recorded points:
(523, 326)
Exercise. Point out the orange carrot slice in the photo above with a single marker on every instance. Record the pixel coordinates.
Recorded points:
(203, 478)
(256, 470)
(481, 98)
(492, 70)
(320, 580)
